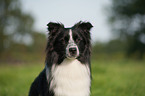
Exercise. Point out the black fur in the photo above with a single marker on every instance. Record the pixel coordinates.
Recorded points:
(55, 52)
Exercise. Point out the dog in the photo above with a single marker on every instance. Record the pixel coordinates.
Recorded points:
(68, 70)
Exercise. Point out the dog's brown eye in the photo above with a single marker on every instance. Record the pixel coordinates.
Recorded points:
(78, 40)
(62, 40)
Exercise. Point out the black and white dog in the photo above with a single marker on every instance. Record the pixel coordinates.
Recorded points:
(67, 71)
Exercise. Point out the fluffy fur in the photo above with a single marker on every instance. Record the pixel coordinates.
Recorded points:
(67, 71)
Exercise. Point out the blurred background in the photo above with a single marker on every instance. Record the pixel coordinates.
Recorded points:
(118, 42)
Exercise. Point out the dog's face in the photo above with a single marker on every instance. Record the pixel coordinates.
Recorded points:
(69, 42)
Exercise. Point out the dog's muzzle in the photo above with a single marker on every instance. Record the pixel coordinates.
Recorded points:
(72, 50)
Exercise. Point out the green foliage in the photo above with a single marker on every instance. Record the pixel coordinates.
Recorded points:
(114, 49)
(19, 42)
(39, 43)
(110, 78)
(127, 19)
(20, 53)
(15, 25)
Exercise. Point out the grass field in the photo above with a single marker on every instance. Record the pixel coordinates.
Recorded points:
(110, 78)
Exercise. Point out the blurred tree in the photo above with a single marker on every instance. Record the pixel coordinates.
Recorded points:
(39, 42)
(15, 26)
(128, 22)
(114, 49)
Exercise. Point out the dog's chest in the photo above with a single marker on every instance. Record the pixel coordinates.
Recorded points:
(71, 78)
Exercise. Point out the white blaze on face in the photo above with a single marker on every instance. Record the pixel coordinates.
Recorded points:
(71, 37)
(71, 44)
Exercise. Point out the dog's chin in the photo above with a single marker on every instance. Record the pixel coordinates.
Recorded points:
(71, 56)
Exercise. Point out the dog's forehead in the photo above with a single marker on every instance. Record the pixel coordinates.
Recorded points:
(68, 30)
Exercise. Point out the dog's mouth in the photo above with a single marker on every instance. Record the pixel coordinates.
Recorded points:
(72, 51)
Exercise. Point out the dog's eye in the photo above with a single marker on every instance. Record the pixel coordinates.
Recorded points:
(64, 40)
(78, 40)
(61, 40)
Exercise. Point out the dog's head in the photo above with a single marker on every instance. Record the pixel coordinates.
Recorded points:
(71, 42)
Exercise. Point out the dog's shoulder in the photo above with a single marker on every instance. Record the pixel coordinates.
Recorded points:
(40, 85)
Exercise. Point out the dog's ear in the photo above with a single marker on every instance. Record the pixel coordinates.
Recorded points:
(85, 26)
(53, 27)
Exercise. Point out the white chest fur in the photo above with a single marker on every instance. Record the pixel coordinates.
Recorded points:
(71, 78)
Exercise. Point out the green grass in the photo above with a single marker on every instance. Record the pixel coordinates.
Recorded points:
(110, 78)
(118, 78)
(15, 80)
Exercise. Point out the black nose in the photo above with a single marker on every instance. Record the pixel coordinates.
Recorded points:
(73, 50)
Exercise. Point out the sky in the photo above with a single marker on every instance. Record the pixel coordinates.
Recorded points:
(69, 12)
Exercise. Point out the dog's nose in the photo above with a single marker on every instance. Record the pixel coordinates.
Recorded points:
(73, 50)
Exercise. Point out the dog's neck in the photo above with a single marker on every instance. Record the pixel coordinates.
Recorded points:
(70, 78)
